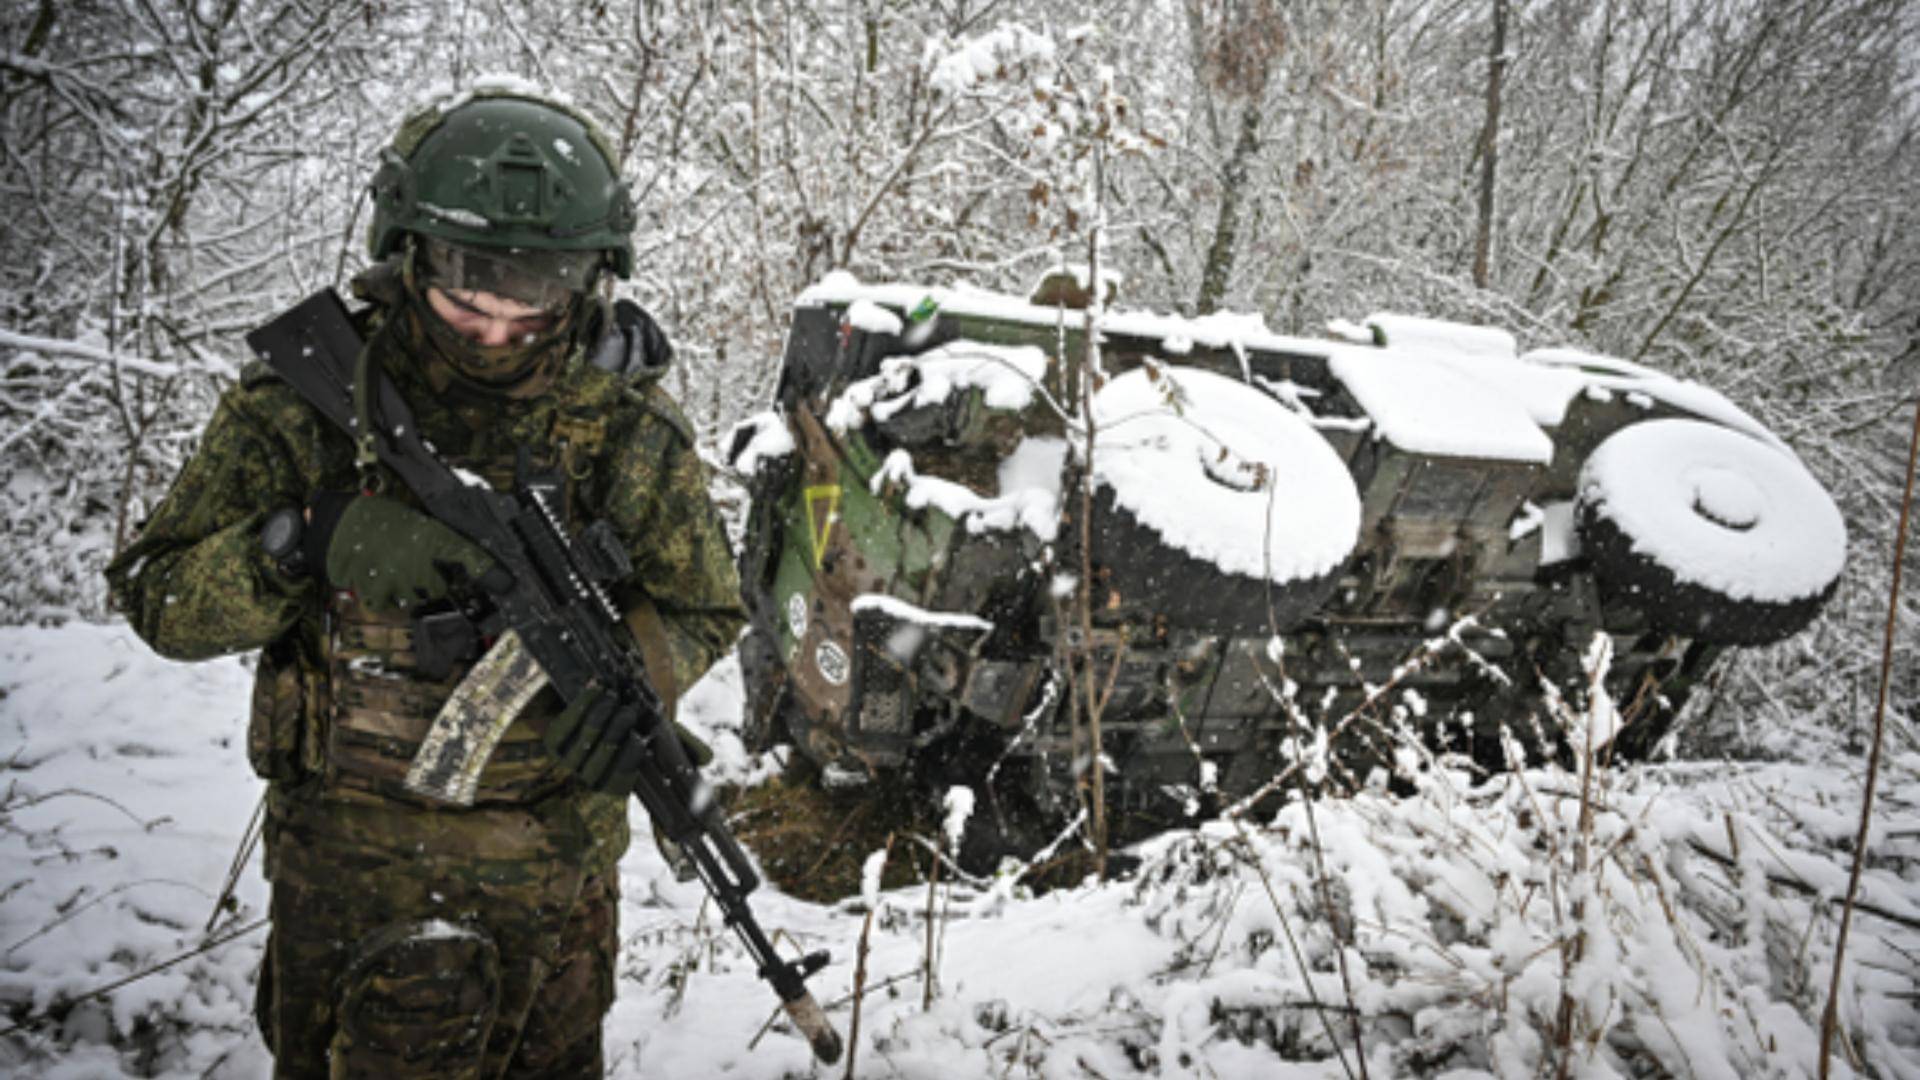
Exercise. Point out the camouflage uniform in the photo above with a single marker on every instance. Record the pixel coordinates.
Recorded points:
(410, 938)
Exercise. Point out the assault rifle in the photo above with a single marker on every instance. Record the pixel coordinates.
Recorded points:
(552, 624)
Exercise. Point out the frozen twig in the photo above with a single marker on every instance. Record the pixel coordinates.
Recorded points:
(1252, 857)
(1342, 930)
(1796, 885)
(876, 866)
(15, 800)
(1421, 658)
(1830, 1018)
(73, 909)
(1574, 949)
(241, 856)
(930, 964)
(59, 1009)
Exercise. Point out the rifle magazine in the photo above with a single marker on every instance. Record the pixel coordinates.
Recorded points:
(469, 726)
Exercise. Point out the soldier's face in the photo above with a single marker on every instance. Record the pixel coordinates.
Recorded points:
(489, 319)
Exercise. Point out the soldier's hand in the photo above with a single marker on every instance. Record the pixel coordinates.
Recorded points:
(596, 737)
(391, 555)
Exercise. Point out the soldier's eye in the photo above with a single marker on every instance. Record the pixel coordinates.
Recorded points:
(465, 307)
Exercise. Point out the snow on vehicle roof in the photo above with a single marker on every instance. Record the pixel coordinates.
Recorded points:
(1223, 331)
(1224, 473)
(767, 438)
(1028, 498)
(1594, 371)
(1005, 375)
(871, 317)
(1489, 414)
(902, 611)
(1416, 331)
(1428, 408)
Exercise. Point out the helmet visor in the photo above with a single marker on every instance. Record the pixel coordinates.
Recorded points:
(544, 279)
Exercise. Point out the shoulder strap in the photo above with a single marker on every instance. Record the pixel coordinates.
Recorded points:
(650, 633)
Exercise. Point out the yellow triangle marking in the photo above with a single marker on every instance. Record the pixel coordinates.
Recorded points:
(820, 518)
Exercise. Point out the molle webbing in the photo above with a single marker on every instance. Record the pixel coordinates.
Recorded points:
(382, 709)
(578, 440)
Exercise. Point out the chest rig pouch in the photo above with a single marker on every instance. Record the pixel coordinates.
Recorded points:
(391, 673)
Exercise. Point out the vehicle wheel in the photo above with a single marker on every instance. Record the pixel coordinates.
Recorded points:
(1215, 505)
(1709, 533)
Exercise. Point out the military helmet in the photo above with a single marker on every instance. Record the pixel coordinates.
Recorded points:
(503, 167)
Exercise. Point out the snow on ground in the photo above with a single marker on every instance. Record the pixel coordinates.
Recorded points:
(1687, 930)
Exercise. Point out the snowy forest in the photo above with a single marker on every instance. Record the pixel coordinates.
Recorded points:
(1727, 191)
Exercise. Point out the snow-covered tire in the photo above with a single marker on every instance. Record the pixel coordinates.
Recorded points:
(1709, 532)
(1215, 505)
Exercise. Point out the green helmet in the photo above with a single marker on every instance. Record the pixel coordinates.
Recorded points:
(500, 167)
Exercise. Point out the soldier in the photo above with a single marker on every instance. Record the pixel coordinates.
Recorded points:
(412, 938)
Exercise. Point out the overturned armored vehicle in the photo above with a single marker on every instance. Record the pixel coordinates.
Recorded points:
(1244, 547)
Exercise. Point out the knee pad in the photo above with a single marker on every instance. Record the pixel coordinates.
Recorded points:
(419, 999)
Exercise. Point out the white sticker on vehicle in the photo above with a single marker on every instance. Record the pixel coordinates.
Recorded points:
(797, 615)
(831, 659)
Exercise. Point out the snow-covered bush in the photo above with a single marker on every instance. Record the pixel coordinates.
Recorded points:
(1679, 921)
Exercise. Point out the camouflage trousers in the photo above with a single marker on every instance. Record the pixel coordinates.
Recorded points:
(394, 957)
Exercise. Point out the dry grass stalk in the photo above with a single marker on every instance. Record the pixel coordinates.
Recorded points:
(860, 963)
(1830, 1018)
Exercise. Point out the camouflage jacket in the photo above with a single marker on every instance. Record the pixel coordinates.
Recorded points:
(196, 583)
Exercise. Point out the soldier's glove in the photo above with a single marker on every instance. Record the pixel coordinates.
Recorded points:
(392, 556)
(597, 738)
